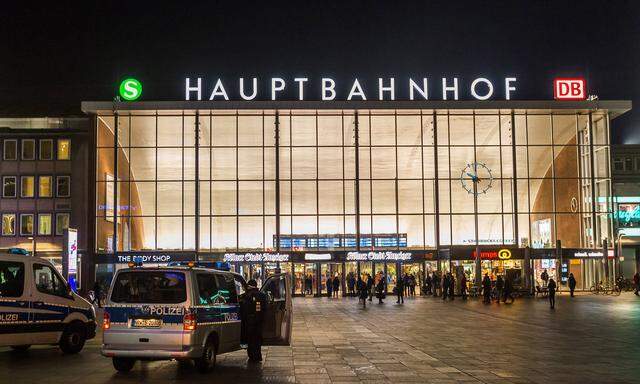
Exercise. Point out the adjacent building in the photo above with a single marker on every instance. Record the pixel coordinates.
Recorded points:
(44, 173)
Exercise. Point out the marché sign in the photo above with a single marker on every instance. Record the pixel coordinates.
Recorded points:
(328, 89)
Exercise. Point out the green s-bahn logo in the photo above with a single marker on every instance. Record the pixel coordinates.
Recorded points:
(130, 89)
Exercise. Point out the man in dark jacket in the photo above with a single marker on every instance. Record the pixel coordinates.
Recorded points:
(452, 286)
(508, 290)
(400, 290)
(486, 289)
(363, 292)
(551, 286)
(252, 307)
(499, 288)
(336, 286)
(572, 284)
(370, 286)
(445, 286)
(463, 286)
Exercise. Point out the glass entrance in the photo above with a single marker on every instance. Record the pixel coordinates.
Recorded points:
(328, 272)
(366, 267)
(414, 272)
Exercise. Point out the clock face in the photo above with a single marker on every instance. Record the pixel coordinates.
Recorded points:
(476, 178)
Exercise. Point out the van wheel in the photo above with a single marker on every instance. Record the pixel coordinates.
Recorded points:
(123, 364)
(208, 360)
(20, 348)
(73, 338)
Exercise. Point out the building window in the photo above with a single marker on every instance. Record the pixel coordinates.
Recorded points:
(44, 224)
(64, 149)
(618, 164)
(10, 150)
(8, 224)
(46, 149)
(28, 149)
(628, 164)
(637, 164)
(63, 186)
(26, 224)
(45, 187)
(9, 186)
(27, 186)
(62, 223)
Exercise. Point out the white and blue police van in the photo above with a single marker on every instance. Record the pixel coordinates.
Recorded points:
(186, 313)
(37, 305)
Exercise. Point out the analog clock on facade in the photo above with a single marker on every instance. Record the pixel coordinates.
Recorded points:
(476, 178)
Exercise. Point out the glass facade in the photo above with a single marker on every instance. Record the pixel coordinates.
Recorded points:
(239, 180)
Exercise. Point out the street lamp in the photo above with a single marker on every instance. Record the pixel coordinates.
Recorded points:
(33, 245)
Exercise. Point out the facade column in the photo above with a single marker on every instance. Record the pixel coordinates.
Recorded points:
(527, 268)
(357, 181)
(197, 191)
(605, 256)
(277, 186)
(559, 265)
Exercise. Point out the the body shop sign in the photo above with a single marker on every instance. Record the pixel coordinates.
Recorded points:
(378, 256)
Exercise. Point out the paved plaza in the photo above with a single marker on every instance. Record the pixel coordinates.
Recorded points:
(587, 339)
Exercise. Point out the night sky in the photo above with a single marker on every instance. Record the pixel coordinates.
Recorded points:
(55, 57)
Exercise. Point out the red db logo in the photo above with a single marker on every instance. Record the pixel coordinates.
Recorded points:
(569, 89)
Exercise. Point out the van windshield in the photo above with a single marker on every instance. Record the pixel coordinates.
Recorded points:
(156, 287)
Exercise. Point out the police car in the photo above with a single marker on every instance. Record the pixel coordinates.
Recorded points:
(37, 306)
(185, 313)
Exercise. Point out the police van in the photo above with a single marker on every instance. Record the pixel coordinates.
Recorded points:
(37, 306)
(186, 313)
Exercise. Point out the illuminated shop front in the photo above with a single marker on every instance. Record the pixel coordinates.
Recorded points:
(331, 178)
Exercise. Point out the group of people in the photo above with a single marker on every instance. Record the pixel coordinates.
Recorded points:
(503, 289)
(333, 285)
(444, 285)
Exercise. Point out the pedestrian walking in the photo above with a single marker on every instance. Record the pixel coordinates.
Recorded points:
(452, 286)
(381, 290)
(427, 284)
(363, 292)
(486, 289)
(97, 294)
(336, 286)
(499, 288)
(370, 285)
(551, 286)
(252, 307)
(508, 291)
(329, 284)
(636, 282)
(572, 284)
(399, 291)
(435, 280)
(412, 285)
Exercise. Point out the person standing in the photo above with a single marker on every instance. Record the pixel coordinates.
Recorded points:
(252, 307)
(452, 286)
(381, 288)
(370, 284)
(412, 285)
(97, 293)
(329, 283)
(636, 282)
(336, 286)
(436, 284)
(363, 292)
(445, 286)
(545, 278)
(399, 290)
(508, 291)
(351, 284)
(427, 284)
(486, 289)
(463, 286)
(551, 286)
(572, 284)
(499, 288)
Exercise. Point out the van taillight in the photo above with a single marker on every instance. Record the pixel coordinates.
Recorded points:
(106, 321)
(189, 322)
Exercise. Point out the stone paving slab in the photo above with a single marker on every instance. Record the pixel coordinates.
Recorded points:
(588, 339)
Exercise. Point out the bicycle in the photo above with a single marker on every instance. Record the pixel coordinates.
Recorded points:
(597, 288)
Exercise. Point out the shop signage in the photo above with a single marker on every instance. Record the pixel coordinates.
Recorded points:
(144, 257)
(579, 253)
(317, 256)
(378, 256)
(628, 215)
(255, 257)
(569, 89)
(424, 88)
(502, 254)
(150, 258)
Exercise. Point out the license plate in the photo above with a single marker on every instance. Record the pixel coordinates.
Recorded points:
(147, 323)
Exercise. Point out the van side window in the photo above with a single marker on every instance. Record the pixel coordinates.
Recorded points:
(239, 285)
(276, 289)
(227, 288)
(208, 293)
(47, 280)
(11, 278)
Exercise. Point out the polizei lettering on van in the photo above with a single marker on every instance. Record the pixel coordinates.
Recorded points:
(152, 310)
